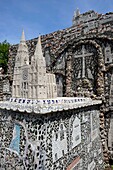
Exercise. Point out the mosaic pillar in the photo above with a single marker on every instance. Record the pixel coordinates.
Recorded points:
(69, 74)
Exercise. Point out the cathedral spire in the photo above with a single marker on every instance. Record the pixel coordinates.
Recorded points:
(22, 54)
(22, 37)
(38, 50)
(77, 12)
(38, 55)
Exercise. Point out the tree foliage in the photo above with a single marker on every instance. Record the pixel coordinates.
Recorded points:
(4, 50)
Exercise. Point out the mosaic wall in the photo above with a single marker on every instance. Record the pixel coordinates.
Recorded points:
(58, 141)
(92, 68)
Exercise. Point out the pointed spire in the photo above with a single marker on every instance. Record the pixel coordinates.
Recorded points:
(23, 51)
(22, 37)
(38, 54)
(77, 12)
(38, 50)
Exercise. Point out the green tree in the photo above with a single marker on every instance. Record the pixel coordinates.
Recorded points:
(4, 50)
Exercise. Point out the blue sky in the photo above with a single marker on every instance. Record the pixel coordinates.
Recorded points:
(42, 16)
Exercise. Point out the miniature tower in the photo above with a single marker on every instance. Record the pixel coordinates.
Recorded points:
(22, 54)
(38, 85)
(51, 86)
(20, 69)
(77, 12)
(76, 16)
(31, 80)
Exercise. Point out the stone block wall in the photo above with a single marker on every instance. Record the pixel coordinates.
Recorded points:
(64, 140)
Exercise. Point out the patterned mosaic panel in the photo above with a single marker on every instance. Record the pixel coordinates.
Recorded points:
(62, 140)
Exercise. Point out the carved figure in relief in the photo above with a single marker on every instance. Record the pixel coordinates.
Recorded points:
(76, 132)
(59, 143)
(84, 68)
(108, 54)
(111, 91)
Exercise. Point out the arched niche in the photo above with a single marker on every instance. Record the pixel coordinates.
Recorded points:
(59, 69)
(60, 84)
(84, 69)
(93, 76)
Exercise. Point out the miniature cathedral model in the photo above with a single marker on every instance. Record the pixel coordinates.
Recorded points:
(31, 80)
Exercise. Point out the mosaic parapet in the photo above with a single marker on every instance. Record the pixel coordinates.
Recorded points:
(47, 105)
(64, 139)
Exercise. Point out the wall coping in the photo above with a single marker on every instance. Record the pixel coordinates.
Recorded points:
(43, 106)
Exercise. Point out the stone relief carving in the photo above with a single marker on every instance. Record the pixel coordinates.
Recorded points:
(94, 125)
(76, 132)
(59, 143)
(60, 64)
(111, 91)
(47, 58)
(83, 56)
(108, 54)
(110, 135)
(59, 83)
(84, 70)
